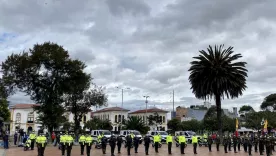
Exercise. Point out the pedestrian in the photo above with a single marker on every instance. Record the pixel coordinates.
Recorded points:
(156, 140)
(229, 142)
(136, 143)
(147, 144)
(195, 142)
(32, 137)
(53, 137)
(182, 142)
(128, 143)
(104, 142)
(210, 142)
(225, 143)
(69, 144)
(82, 142)
(119, 143)
(58, 139)
(235, 141)
(169, 142)
(63, 143)
(88, 143)
(15, 137)
(217, 142)
(112, 143)
(6, 140)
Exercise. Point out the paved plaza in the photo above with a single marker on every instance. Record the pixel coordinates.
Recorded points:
(53, 151)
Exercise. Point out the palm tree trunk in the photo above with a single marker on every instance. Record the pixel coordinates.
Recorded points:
(218, 104)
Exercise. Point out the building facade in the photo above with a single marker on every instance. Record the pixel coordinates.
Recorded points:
(115, 115)
(145, 113)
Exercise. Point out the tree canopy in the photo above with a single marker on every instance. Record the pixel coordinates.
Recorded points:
(217, 73)
(269, 102)
(174, 125)
(246, 108)
(96, 123)
(155, 119)
(135, 123)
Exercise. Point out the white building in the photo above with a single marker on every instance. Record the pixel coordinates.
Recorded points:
(114, 114)
(24, 117)
(143, 114)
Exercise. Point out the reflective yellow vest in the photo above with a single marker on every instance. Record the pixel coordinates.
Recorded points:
(194, 140)
(156, 139)
(32, 136)
(63, 139)
(69, 140)
(88, 140)
(181, 139)
(132, 135)
(82, 139)
(37, 140)
(43, 141)
(169, 139)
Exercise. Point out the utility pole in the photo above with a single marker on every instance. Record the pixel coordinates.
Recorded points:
(173, 103)
(146, 96)
(121, 114)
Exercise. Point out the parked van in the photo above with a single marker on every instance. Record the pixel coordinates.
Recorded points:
(163, 134)
(96, 133)
(124, 133)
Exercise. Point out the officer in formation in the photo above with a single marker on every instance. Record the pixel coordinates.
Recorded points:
(169, 141)
(112, 143)
(256, 142)
(82, 142)
(229, 142)
(119, 143)
(129, 142)
(195, 142)
(32, 138)
(250, 143)
(104, 142)
(245, 142)
(235, 142)
(147, 144)
(156, 140)
(63, 143)
(41, 142)
(267, 145)
(182, 142)
(210, 142)
(136, 143)
(69, 144)
(239, 142)
(261, 144)
(217, 142)
(88, 143)
(225, 143)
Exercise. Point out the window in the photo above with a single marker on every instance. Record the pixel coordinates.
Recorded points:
(30, 117)
(18, 118)
(84, 118)
(124, 133)
(123, 117)
(164, 119)
(119, 118)
(116, 118)
(108, 116)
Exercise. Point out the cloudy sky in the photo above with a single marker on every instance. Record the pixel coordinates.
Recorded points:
(146, 45)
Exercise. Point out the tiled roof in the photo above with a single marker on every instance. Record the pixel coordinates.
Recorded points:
(23, 106)
(150, 110)
(109, 109)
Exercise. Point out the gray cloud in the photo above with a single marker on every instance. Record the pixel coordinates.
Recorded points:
(147, 45)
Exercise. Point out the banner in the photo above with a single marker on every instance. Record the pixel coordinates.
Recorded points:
(265, 126)
(237, 124)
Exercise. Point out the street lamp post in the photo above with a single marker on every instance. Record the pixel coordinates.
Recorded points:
(121, 119)
(146, 96)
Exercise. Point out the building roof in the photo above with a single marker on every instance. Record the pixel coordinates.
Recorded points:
(196, 114)
(110, 109)
(150, 110)
(24, 106)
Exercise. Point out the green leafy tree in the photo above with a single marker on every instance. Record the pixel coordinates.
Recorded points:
(246, 108)
(191, 125)
(218, 74)
(96, 123)
(155, 119)
(174, 125)
(254, 119)
(135, 123)
(269, 102)
(45, 73)
(67, 126)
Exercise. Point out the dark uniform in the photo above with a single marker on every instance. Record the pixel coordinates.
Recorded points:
(210, 142)
(147, 144)
(235, 141)
(218, 142)
(128, 144)
(245, 143)
(136, 143)
(273, 139)
(239, 141)
(119, 143)
(261, 144)
(229, 142)
(250, 144)
(256, 142)
(112, 143)
(225, 143)
(267, 145)
(104, 142)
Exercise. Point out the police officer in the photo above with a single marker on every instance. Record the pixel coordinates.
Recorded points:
(169, 141)
(69, 144)
(104, 142)
(43, 142)
(256, 142)
(235, 141)
(229, 142)
(250, 143)
(156, 140)
(136, 143)
(128, 143)
(239, 141)
(210, 142)
(217, 142)
(119, 143)
(194, 142)
(245, 142)
(225, 143)
(82, 142)
(100, 137)
(267, 145)
(38, 144)
(261, 144)
(32, 137)
(88, 143)
(63, 143)
(182, 142)
(273, 139)
(112, 144)
(147, 144)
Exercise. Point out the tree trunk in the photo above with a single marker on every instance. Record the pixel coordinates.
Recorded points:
(218, 104)
(76, 127)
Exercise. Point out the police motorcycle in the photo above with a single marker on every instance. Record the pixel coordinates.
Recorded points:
(177, 144)
(202, 142)
(98, 145)
(27, 144)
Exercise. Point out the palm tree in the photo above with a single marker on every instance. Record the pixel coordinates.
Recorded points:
(217, 74)
(135, 123)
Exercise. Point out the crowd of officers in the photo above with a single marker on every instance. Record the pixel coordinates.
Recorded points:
(262, 143)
